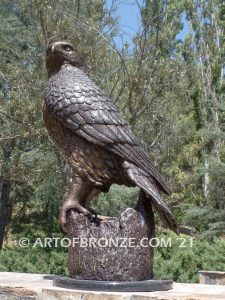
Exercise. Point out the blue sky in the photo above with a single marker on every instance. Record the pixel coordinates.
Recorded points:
(185, 30)
(129, 20)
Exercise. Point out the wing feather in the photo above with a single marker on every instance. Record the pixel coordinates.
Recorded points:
(81, 106)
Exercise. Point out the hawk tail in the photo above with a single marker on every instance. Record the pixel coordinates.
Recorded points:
(145, 183)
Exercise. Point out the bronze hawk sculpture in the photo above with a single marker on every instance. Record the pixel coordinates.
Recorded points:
(93, 136)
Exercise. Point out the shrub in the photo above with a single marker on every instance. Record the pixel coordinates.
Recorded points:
(182, 264)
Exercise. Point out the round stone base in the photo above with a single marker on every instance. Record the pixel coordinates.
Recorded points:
(113, 286)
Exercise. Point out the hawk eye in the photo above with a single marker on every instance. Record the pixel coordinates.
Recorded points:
(68, 48)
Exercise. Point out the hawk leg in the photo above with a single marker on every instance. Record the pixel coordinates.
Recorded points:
(80, 195)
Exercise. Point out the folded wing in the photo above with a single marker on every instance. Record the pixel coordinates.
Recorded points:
(81, 106)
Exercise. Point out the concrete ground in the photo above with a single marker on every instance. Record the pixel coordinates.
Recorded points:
(21, 286)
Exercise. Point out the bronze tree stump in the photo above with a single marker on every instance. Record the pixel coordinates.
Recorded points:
(103, 255)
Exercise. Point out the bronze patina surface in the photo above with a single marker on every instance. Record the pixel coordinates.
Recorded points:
(117, 249)
(94, 138)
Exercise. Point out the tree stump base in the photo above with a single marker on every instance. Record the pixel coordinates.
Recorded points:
(112, 249)
(113, 286)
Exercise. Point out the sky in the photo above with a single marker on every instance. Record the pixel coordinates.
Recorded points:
(185, 30)
(129, 20)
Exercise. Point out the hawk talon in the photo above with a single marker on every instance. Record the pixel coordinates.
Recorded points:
(63, 228)
(92, 218)
(93, 215)
(88, 212)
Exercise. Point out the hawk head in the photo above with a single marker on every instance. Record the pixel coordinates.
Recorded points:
(60, 53)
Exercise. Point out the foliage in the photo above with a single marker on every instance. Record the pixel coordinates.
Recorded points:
(33, 260)
(209, 222)
(116, 201)
(182, 264)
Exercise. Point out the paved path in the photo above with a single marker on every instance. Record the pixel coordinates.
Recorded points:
(9, 293)
(22, 286)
